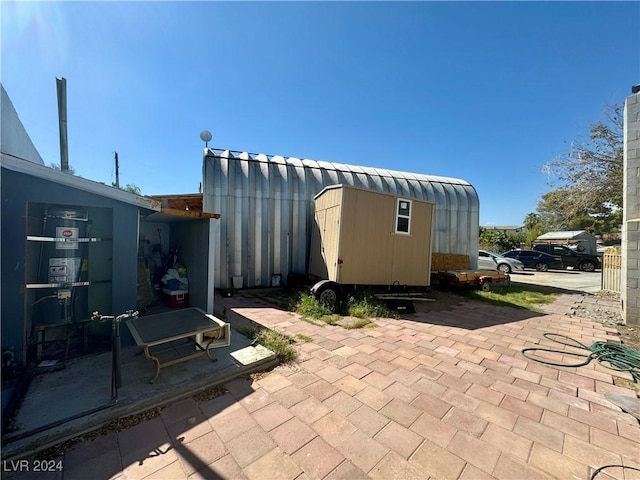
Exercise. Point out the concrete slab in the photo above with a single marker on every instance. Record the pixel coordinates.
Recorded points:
(568, 280)
(61, 404)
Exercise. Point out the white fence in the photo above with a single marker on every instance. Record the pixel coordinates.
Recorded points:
(611, 268)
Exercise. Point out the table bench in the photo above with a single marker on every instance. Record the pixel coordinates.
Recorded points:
(177, 336)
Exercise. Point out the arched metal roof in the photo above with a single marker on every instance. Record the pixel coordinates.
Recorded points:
(266, 207)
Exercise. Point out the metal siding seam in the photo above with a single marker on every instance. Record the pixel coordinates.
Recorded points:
(287, 207)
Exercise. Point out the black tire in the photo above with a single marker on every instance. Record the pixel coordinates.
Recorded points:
(330, 296)
(485, 287)
(588, 266)
(504, 268)
(542, 267)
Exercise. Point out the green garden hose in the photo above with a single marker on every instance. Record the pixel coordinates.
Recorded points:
(610, 355)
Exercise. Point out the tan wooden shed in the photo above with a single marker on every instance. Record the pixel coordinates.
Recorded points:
(364, 237)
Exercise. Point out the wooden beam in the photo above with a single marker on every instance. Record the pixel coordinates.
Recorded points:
(188, 213)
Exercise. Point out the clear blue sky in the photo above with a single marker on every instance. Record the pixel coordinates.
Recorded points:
(486, 92)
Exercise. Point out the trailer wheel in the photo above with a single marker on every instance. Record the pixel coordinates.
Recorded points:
(485, 286)
(329, 294)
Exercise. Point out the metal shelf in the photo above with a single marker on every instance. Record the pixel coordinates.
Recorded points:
(36, 238)
(56, 285)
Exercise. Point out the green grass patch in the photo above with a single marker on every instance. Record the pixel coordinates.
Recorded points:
(359, 323)
(519, 296)
(366, 305)
(308, 306)
(279, 343)
(304, 338)
(332, 319)
(362, 305)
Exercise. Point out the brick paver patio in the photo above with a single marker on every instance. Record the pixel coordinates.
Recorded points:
(444, 395)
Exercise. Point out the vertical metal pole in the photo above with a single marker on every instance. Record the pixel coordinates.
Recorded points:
(61, 86)
(117, 172)
(116, 375)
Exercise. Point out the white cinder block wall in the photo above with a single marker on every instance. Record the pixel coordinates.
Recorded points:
(630, 289)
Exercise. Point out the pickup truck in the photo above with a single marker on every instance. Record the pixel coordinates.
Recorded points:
(570, 258)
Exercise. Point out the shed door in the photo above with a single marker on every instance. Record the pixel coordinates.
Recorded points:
(325, 244)
(331, 242)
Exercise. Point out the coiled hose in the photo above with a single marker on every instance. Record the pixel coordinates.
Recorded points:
(608, 354)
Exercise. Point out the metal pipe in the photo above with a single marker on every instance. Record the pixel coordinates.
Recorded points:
(115, 361)
(61, 86)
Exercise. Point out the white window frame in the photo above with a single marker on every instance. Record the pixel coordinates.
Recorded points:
(398, 216)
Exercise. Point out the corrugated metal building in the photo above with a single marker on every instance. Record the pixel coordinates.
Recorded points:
(266, 208)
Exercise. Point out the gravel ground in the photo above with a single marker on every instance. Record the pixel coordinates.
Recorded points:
(603, 307)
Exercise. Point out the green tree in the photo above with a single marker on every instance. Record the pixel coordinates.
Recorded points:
(55, 166)
(532, 220)
(587, 179)
(130, 187)
(535, 225)
(497, 240)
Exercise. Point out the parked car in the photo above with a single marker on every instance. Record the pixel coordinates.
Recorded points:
(494, 261)
(534, 259)
(570, 258)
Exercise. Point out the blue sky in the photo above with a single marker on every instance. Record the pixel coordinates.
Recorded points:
(483, 91)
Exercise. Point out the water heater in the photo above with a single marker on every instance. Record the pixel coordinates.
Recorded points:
(63, 266)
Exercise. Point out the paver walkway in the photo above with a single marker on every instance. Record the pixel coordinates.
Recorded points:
(444, 395)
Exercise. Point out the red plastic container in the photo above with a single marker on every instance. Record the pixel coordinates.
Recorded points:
(176, 298)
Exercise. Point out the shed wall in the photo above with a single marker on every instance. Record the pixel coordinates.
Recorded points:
(367, 222)
(18, 189)
(412, 254)
(371, 252)
(266, 207)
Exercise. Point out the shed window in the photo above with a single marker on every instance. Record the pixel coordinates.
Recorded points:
(403, 216)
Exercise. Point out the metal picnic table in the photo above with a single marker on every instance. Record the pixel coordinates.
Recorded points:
(177, 336)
